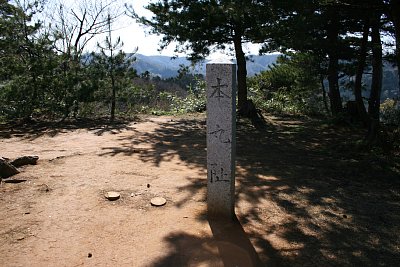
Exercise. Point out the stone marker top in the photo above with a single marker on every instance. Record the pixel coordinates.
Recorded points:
(221, 59)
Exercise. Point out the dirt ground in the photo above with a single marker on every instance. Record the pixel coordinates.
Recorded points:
(301, 201)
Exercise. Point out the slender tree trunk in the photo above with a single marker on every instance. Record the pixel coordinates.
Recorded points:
(241, 72)
(112, 73)
(359, 74)
(333, 80)
(324, 99)
(112, 117)
(333, 67)
(376, 86)
(246, 107)
(32, 104)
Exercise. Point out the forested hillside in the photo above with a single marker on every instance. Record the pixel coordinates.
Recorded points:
(168, 67)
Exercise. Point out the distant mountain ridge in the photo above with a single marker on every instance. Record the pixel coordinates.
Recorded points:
(166, 67)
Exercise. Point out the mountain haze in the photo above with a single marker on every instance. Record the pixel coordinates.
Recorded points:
(166, 67)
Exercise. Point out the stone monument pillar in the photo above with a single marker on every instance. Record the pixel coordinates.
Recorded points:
(221, 135)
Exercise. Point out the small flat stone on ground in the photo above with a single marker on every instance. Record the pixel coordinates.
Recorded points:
(112, 195)
(158, 201)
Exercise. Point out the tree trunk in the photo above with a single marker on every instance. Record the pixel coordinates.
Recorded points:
(359, 74)
(333, 67)
(333, 80)
(32, 104)
(376, 86)
(241, 72)
(246, 107)
(112, 73)
(324, 95)
(113, 98)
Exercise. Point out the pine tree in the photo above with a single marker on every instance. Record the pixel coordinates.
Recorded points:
(116, 67)
(198, 26)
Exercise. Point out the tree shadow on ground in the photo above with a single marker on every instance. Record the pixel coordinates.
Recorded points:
(184, 138)
(35, 129)
(303, 197)
(305, 194)
(320, 202)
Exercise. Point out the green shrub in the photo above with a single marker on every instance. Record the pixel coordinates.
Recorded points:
(390, 112)
(195, 101)
(290, 86)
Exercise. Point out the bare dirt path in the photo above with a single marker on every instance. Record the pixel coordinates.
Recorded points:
(299, 202)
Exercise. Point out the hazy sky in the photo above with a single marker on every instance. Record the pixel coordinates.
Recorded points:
(132, 33)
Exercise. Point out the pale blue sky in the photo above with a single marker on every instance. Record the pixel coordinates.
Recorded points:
(134, 35)
(131, 33)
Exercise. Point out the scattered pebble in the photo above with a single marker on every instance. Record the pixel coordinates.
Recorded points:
(56, 158)
(148, 185)
(44, 188)
(89, 255)
(20, 237)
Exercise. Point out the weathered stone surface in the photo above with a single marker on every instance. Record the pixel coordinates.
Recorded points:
(221, 128)
(25, 160)
(7, 169)
(158, 201)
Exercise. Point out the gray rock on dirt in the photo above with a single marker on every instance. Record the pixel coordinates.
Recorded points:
(7, 169)
(25, 160)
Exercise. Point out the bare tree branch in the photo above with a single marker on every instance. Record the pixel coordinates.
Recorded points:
(82, 23)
